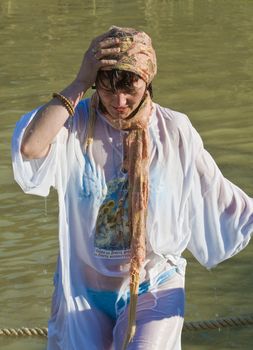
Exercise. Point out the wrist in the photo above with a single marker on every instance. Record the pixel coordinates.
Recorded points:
(74, 92)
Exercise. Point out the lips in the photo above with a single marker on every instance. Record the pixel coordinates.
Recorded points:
(120, 110)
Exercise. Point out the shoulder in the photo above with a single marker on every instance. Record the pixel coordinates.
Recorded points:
(83, 107)
(177, 127)
(81, 116)
(173, 120)
(171, 115)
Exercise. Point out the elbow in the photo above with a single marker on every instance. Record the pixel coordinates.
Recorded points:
(30, 152)
(27, 151)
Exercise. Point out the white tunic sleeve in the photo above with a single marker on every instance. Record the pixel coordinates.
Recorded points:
(221, 214)
(38, 175)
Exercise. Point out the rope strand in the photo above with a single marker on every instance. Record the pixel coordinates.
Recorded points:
(237, 321)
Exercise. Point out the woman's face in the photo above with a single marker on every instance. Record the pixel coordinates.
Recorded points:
(121, 103)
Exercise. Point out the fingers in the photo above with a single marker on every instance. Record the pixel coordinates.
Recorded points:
(103, 41)
(99, 45)
(107, 63)
(108, 42)
(103, 53)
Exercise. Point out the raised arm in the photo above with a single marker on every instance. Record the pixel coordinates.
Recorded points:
(52, 116)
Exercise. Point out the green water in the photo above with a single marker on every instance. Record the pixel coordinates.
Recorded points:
(205, 69)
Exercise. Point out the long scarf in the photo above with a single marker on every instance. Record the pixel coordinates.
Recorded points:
(136, 162)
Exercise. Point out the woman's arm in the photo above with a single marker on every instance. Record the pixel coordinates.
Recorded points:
(51, 117)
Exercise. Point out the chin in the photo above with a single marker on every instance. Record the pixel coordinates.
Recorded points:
(121, 115)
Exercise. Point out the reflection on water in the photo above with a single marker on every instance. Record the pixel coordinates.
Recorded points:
(205, 66)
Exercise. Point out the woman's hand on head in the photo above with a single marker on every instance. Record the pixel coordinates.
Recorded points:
(101, 53)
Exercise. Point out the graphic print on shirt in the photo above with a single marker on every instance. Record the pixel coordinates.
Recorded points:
(112, 238)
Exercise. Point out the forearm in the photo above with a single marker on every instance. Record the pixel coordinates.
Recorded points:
(51, 117)
(48, 121)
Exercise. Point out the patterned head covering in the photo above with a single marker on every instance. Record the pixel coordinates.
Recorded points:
(136, 55)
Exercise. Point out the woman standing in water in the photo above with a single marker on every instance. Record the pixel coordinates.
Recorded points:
(136, 188)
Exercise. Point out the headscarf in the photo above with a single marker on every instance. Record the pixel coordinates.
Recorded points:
(138, 56)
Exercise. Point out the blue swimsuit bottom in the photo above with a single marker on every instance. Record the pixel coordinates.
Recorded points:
(106, 301)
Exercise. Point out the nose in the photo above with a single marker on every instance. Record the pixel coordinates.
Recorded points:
(120, 100)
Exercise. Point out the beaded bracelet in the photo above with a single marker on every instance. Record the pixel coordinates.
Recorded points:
(66, 102)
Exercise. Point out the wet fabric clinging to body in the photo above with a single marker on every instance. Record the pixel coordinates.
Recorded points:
(138, 56)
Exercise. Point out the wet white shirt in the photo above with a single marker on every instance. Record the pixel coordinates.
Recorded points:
(191, 206)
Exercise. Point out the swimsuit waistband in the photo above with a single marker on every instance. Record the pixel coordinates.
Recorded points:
(109, 301)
